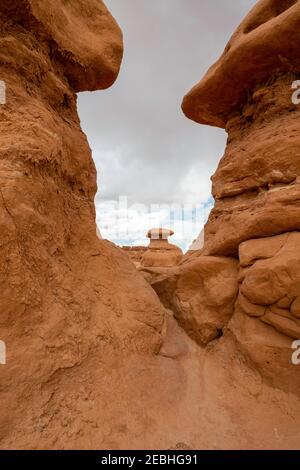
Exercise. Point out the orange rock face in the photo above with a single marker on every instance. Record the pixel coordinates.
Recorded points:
(256, 186)
(94, 359)
(202, 294)
(135, 254)
(161, 253)
(270, 281)
(62, 302)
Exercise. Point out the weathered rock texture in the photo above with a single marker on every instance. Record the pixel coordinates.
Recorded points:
(257, 184)
(67, 298)
(266, 41)
(94, 361)
(256, 216)
(201, 294)
(135, 254)
(270, 281)
(161, 253)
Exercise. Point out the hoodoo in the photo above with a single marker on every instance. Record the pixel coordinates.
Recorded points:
(68, 299)
(161, 253)
(256, 187)
(96, 358)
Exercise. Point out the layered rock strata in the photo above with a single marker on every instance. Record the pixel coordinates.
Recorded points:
(256, 186)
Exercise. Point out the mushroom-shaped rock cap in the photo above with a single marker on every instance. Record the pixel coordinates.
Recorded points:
(267, 40)
(82, 35)
(159, 233)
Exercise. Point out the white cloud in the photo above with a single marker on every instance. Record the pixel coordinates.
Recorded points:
(127, 224)
(143, 146)
(196, 184)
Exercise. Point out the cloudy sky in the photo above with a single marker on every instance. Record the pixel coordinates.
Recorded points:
(154, 165)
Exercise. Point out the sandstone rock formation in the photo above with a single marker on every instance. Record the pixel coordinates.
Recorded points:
(202, 294)
(161, 253)
(256, 186)
(135, 254)
(94, 359)
(256, 183)
(270, 281)
(67, 298)
(256, 216)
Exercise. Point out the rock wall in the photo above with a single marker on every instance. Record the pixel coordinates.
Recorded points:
(270, 281)
(94, 359)
(256, 185)
(202, 295)
(66, 296)
(135, 254)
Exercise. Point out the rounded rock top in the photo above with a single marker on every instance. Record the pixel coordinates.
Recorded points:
(82, 35)
(159, 233)
(267, 41)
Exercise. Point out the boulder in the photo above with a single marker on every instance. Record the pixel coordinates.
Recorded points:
(135, 254)
(202, 295)
(270, 288)
(250, 92)
(89, 59)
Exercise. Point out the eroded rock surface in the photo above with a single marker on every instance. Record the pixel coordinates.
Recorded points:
(249, 92)
(66, 296)
(135, 254)
(266, 40)
(257, 183)
(201, 294)
(94, 360)
(270, 281)
(160, 253)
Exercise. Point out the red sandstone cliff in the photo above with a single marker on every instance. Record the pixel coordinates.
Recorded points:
(94, 359)
(256, 217)
(68, 299)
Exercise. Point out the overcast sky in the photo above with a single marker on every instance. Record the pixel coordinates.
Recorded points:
(143, 146)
